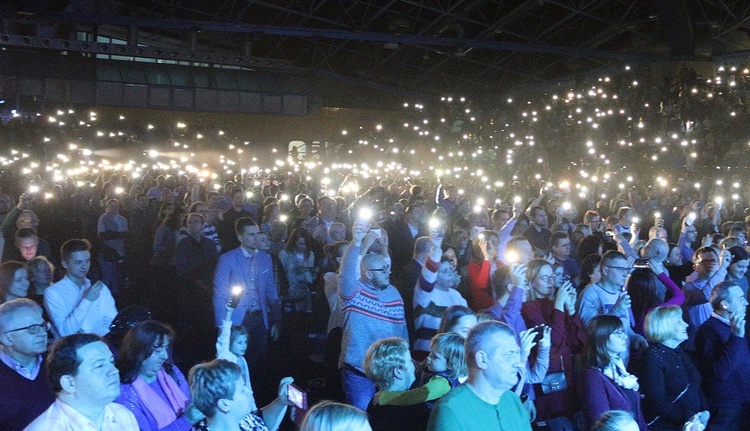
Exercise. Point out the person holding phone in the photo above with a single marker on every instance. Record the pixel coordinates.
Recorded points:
(609, 296)
(218, 390)
(723, 358)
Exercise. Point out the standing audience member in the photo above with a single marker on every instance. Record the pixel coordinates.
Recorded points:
(249, 270)
(608, 297)
(606, 384)
(723, 359)
(154, 389)
(670, 382)
(435, 292)
(481, 268)
(710, 270)
(112, 229)
(485, 402)
(75, 304)
(298, 261)
(372, 309)
(24, 392)
(555, 395)
(82, 374)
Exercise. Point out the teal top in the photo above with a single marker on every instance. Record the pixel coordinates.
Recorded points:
(461, 409)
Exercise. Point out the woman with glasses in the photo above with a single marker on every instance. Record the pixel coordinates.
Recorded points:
(152, 387)
(556, 309)
(605, 384)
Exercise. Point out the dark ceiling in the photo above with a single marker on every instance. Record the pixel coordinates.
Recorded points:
(407, 47)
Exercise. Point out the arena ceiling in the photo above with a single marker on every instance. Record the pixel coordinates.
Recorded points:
(472, 47)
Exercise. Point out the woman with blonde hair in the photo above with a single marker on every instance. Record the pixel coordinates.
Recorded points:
(671, 383)
(332, 416)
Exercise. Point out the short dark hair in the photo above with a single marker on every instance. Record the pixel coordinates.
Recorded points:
(533, 210)
(63, 359)
(556, 237)
(73, 245)
(241, 223)
(609, 257)
(720, 292)
(703, 250)
(25, 233)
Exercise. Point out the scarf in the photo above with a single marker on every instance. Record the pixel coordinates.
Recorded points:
(616, 371)
(165, 412)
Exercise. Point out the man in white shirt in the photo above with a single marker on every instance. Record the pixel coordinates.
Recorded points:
(75, 304)
(82, 373)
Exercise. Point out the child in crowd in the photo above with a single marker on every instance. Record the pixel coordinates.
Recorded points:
(446, 361)
(231, 344)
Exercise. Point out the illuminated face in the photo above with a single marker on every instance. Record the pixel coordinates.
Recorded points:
(504, 360)
(42, 275)
(160, 353)
(707, 264)
(595, 222)
(464, 324)
(239, 345)
(617, 342)
(543, 282)
(735, 304)
(249, 237)
(78, 264)
(540, 219)
(195, 225)
(675, 257)
(20, 286)
(450, 254)
(97, 381)
(525, 252)
(562, 249)
(437, 363)
(680, 327)
(739, 268)
(28, 247)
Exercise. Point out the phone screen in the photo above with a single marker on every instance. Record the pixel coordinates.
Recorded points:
(298, 398)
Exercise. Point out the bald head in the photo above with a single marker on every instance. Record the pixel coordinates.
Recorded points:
(375, 270)
(656, 248)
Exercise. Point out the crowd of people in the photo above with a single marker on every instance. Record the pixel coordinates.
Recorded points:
(595, 279)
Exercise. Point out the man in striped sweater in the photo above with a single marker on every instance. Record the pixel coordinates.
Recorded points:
(372, 309)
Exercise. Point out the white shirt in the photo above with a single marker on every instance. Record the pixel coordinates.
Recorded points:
(61, 417)
(70, 313)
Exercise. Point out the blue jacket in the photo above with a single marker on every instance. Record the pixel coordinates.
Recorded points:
(231, 271)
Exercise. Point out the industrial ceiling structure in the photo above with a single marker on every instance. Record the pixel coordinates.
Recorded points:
(401, 47)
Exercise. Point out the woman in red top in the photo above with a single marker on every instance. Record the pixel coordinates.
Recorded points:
(485, 262)
(557, 310)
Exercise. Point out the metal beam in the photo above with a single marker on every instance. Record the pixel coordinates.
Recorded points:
(303, 32)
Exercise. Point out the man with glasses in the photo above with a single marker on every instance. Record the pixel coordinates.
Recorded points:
(24, 393)
(372, 309)
(711, 269)
(609, 297)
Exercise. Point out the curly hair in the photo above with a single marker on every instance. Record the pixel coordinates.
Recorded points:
(211, 382)
(382, 358)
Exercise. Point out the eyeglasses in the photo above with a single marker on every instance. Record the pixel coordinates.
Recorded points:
(622, 268)
(33, 329)
(707, 262)
(383, 269)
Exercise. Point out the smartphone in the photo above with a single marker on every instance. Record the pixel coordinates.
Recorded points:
(610, 233)
(641, 263)
(298, 398)
(236, 296)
